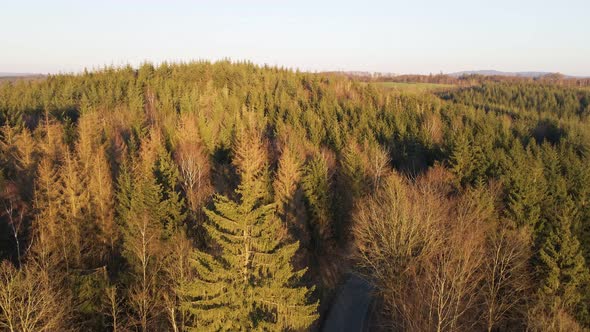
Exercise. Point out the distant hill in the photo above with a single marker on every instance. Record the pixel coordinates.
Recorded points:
(531, 74)
(360, 73)
(18, 74)
(11, 77)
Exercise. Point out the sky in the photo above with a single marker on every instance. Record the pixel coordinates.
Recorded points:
(418, 36)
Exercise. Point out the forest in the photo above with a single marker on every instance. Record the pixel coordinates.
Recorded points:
(229, 196)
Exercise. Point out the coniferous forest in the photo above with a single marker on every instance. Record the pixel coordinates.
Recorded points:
(235, 197)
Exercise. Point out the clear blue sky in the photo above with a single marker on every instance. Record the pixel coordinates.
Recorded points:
(420, 36)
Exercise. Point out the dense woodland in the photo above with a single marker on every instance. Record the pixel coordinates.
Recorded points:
(233, 197)
(476, 79)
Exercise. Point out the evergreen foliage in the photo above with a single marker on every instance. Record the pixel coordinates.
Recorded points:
(112, 178)
(252, 284)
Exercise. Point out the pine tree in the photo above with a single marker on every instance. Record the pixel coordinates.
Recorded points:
(251, 285)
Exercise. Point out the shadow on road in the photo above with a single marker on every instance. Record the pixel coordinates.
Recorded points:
(351, 308)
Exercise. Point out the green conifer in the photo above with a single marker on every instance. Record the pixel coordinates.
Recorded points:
(251, 284)
(562, 264)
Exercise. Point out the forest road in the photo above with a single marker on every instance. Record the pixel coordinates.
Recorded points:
(351, 310)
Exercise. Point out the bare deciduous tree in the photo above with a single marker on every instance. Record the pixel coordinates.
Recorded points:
(112, 307)
(14, 210)
(392, 234)
(143, 246)
(178, 275)
(428, 252)
(378, 162)
(506, 275)
(28, 302)
(193, 163)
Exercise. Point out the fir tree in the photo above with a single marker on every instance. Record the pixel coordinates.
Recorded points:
(251, 284)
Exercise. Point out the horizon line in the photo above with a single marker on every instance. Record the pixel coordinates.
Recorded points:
(137, 65)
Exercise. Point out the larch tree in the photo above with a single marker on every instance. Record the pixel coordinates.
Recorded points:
(102, 206)
(79, 228)
(50, 241)
(95, 173)
(286, 183)
(289, 197)
(251, 283)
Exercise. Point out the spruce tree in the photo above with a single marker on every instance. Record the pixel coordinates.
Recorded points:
(525, 188)
(561, 263)
(251, 283)
(462, 159)
(316, 185)
(353, 170)
(173, 204)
